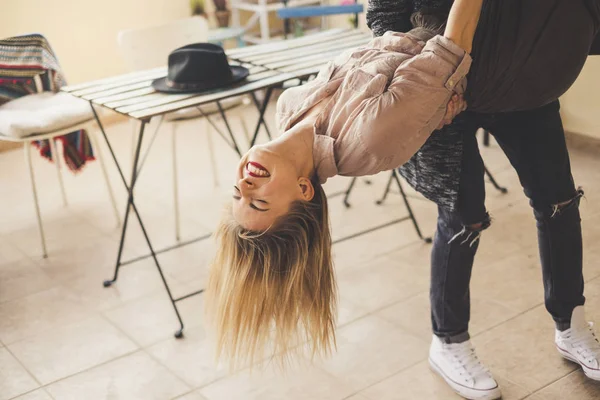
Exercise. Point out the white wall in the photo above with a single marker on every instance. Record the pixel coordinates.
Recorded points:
(83, 33)
(581, 104)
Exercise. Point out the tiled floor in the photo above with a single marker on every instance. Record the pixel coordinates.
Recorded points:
(63, 336)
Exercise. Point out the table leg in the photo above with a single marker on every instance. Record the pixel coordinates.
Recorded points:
(128, 208)
(408, 207)
(231, 135)
(131, 206)
(258, 107)
(261, 118)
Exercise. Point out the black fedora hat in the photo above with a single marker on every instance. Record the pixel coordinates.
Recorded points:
(198, 68)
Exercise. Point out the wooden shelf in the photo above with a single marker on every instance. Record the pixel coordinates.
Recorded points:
(260, 16)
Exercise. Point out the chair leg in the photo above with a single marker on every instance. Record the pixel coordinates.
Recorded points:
(245, 129)
(111, 193)
(27, 148)
(409, 209)
(56, 159)
(387, 188)
(134, 132)
(175, 181)
(348, 191)
(211, 152)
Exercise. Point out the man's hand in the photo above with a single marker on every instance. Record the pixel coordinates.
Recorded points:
(456, 105)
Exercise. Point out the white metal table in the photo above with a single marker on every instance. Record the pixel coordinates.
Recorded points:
(132, 95)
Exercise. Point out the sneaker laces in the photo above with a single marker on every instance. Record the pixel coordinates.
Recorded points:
(464, 356)
(587, 343)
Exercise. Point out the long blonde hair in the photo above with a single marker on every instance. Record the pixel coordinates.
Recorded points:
(275, 287)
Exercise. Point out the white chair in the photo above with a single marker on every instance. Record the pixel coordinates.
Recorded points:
(148, 48)
(43, 116)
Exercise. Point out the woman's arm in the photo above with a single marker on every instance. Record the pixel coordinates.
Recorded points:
(394, 125)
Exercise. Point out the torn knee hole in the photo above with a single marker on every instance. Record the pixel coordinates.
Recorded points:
(470, 234)
(559, 208)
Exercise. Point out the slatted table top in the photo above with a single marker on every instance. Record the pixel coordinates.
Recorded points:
(270, 65)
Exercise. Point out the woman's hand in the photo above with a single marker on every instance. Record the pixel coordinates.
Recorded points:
(456, 105)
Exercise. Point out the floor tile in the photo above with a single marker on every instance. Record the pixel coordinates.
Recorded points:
(348, 311)
(63, 231)
(22, 278)
(31, 315)
(151, 319)
(40, 394)
(9, 252)
(419, 382)
(592, 304)
(591, 262)
(382, 282)
(134, 377)
(89, 258)
(372, 349)
(158, 228)
(414, 315)
(535, 397)
(14, 379)
(191, 396)
(64, 351)
(268, 384)
(573, 386)
(361, 250)
(497, 281)
(357, 396)
(192, 359)
(134, 281)
(189, 263)
(523, 351)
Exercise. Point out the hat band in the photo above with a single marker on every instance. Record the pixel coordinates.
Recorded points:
(184, 86)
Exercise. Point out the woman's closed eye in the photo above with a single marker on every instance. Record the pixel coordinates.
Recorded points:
(237, 196)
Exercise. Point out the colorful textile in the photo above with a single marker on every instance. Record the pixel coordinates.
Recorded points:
(28, 65)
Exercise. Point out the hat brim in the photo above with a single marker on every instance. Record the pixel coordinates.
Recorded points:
(237, 74)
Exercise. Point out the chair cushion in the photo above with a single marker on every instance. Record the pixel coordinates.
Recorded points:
(42, 113)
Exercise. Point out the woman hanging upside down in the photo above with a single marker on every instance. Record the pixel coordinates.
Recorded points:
(368, 111)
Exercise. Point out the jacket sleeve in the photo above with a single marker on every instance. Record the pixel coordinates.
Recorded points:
(389, 15)
(401, 119)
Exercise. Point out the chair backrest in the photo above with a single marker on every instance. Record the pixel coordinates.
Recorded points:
(150, 47)
(318, 11)
(287, 13)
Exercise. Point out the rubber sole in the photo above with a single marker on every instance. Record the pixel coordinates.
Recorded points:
(467, 393)
(590, 373)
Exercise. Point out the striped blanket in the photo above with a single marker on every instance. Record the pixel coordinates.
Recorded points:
(28, 65)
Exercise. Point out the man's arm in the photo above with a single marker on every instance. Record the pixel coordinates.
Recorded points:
(389, 15)
(462, 22)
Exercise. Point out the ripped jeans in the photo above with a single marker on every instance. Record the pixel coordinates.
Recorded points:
(534, 142)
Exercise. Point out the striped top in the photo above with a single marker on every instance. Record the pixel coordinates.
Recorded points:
(23, 59)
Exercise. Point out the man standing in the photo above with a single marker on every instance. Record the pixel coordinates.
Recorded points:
(526, 53)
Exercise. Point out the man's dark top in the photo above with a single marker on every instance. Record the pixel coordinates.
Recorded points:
(526, 53)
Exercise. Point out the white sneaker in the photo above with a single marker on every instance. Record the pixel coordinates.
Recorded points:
(580, 345)
(458, 364)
